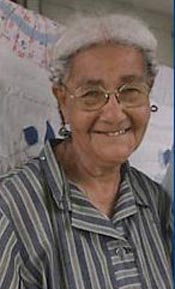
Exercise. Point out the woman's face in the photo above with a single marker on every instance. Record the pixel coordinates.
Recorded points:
(110, 134)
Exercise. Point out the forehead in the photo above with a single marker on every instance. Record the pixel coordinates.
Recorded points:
(107, 63)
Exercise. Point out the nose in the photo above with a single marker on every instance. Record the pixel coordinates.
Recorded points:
(115, 94)
(113, 108)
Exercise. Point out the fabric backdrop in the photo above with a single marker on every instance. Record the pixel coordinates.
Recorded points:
(28, 111)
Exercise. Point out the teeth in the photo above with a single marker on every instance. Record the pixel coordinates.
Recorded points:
(119, 132)
(116, 133)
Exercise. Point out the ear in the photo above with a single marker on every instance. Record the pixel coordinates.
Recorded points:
(60, 94)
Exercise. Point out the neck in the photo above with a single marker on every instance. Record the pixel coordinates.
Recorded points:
(99, 183)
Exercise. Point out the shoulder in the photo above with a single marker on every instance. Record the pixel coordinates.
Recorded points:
(24, 202)
(144, 180)
(26, 178)
(24, 212)
(22, 192)
(152, 192)
(147, 185)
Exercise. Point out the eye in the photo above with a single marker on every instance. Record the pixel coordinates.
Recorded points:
(133, 94)
(93, 93)
(90, 97)
(131, 90)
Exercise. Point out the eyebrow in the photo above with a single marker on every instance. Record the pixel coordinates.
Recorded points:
(123, 79)
(91, 82)
(132, 77)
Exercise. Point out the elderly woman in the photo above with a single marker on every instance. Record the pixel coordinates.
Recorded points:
(79, 216)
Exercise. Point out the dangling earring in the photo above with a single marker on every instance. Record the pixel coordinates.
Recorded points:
(154, 108)
(64, 130)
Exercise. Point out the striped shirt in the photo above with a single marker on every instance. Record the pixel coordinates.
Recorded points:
(52, 237)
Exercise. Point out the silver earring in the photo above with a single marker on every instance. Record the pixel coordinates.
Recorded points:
(154, 108)
(64, 131)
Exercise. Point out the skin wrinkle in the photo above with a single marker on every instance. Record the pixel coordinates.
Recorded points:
(124, 78)
(96, 158)
(67, 61)
(99, 82)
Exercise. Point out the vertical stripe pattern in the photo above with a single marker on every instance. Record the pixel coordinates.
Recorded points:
(52, 237)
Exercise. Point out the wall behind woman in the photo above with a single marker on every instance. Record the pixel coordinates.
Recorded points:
(159, 19)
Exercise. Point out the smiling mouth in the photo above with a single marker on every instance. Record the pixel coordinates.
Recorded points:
(115, 133)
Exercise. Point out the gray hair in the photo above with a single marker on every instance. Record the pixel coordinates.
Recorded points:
(89, 31)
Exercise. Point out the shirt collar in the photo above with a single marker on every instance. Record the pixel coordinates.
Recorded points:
(136, 187)
(55, 177)
(61, 190)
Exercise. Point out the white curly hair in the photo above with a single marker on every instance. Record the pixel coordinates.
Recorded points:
(89, 31)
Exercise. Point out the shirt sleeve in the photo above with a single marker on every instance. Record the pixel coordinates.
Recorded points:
(21, 251)
(167, 182)
(165, 207)
(9, 254)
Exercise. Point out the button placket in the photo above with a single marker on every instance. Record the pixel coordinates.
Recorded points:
(119, 252)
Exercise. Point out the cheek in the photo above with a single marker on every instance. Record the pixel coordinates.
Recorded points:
(141, 118)
(80, 121)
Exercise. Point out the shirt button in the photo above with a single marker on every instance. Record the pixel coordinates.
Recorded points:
(43, 158)
(119, 252)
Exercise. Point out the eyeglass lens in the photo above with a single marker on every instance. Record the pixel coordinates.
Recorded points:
(126, 95)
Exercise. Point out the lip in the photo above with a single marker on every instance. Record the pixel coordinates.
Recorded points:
(117, 132)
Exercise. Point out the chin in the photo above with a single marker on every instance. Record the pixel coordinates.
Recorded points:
(116, 159)
(119, 156)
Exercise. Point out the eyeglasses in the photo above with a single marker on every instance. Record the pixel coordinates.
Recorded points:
(127, 95)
